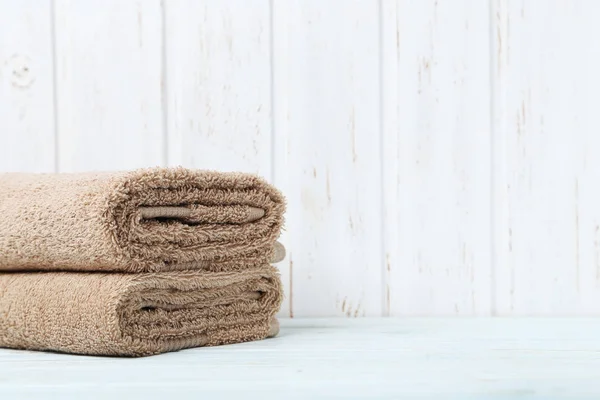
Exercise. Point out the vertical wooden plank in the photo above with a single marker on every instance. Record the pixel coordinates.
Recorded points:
(390, 43)
(219, 78)
(439, 258)
(26, 87)
(333, 164)
(280, 150)
(547, 224)
(109, 84)
(219, 98)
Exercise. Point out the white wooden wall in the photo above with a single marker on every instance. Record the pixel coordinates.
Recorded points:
(440, 157)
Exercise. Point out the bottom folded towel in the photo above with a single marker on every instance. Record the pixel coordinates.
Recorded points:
(137, 314)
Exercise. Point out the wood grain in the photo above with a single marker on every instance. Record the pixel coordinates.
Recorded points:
(546, 173)
(331, 81)
(108, 57)
(219, 84)
(219, 97)
(437, 158)
(280, 161)
(26, 87)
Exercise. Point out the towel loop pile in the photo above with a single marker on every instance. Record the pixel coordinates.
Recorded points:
(139, 262)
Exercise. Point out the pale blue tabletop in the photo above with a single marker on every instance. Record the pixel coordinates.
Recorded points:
(339, 358)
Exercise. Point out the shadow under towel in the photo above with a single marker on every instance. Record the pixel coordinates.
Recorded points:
(148, 220)
(137, 314)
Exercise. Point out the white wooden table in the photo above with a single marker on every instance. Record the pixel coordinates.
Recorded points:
(339, 358)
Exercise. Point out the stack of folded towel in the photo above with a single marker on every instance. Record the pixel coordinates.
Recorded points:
(138, 263)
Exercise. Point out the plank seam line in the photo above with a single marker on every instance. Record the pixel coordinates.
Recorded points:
(54, 86)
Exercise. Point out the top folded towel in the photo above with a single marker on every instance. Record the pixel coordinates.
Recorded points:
(147, 220)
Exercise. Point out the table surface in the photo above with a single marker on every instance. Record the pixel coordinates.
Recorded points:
(340, 358)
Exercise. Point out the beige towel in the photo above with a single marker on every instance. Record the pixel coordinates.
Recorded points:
(136, 314)
(148, 220)
(137, 263)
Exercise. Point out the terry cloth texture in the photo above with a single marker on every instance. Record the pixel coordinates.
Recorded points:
(149, 220)
(137, 314)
